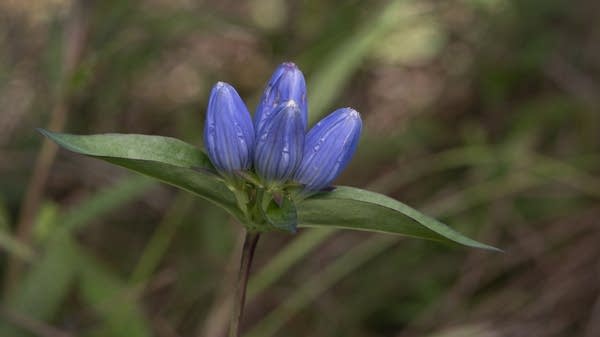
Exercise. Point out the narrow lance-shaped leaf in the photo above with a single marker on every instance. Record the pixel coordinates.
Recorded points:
(354, 208)
(167, 159)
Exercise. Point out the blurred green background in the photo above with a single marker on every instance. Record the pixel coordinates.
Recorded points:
(483, 113)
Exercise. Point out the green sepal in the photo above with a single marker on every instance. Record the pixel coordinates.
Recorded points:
(280, 212)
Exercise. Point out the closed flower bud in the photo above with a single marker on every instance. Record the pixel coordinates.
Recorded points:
(328, 148)
(228, 131)
(286, 83)
(280, 143)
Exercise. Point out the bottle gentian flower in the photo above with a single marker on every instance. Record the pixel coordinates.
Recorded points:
(280, 143)
(286, 83)
(328, 148)
(281, 155)
(228, 131)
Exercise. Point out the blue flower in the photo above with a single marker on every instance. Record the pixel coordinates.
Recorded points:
(286, 83)
(228, 131)
(280, 151)
(328, 148)
(280, 143)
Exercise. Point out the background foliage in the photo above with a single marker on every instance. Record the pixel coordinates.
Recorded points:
(484, 113)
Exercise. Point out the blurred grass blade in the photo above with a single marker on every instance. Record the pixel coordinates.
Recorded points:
(47, 283)
(567, 174)
(8, 243)
(287, 257)
(329, 80)
(106, 200)
(342, 267)
(164, 233)
(14, 247)
(354, 208)
(39, 296)
(166, 159)
(106, 294)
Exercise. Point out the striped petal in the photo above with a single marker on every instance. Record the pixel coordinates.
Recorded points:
(228, 131)
(280, 143)
(286, 83)
(328, 148)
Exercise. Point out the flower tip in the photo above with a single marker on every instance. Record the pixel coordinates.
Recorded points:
(222, 86)
(289, 64)
(286, 84)
(352, 113)
(219, 92)
(288, 72)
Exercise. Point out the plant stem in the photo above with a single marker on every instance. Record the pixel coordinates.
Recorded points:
(250, 242)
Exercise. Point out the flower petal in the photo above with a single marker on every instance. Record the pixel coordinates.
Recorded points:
(228, 131)
(328, 148)
(280, 143)
(286, 83)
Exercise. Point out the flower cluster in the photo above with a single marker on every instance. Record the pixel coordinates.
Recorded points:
(276, 145)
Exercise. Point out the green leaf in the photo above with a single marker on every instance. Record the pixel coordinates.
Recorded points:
(354, 208)
(132, 146)
(167, 159)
